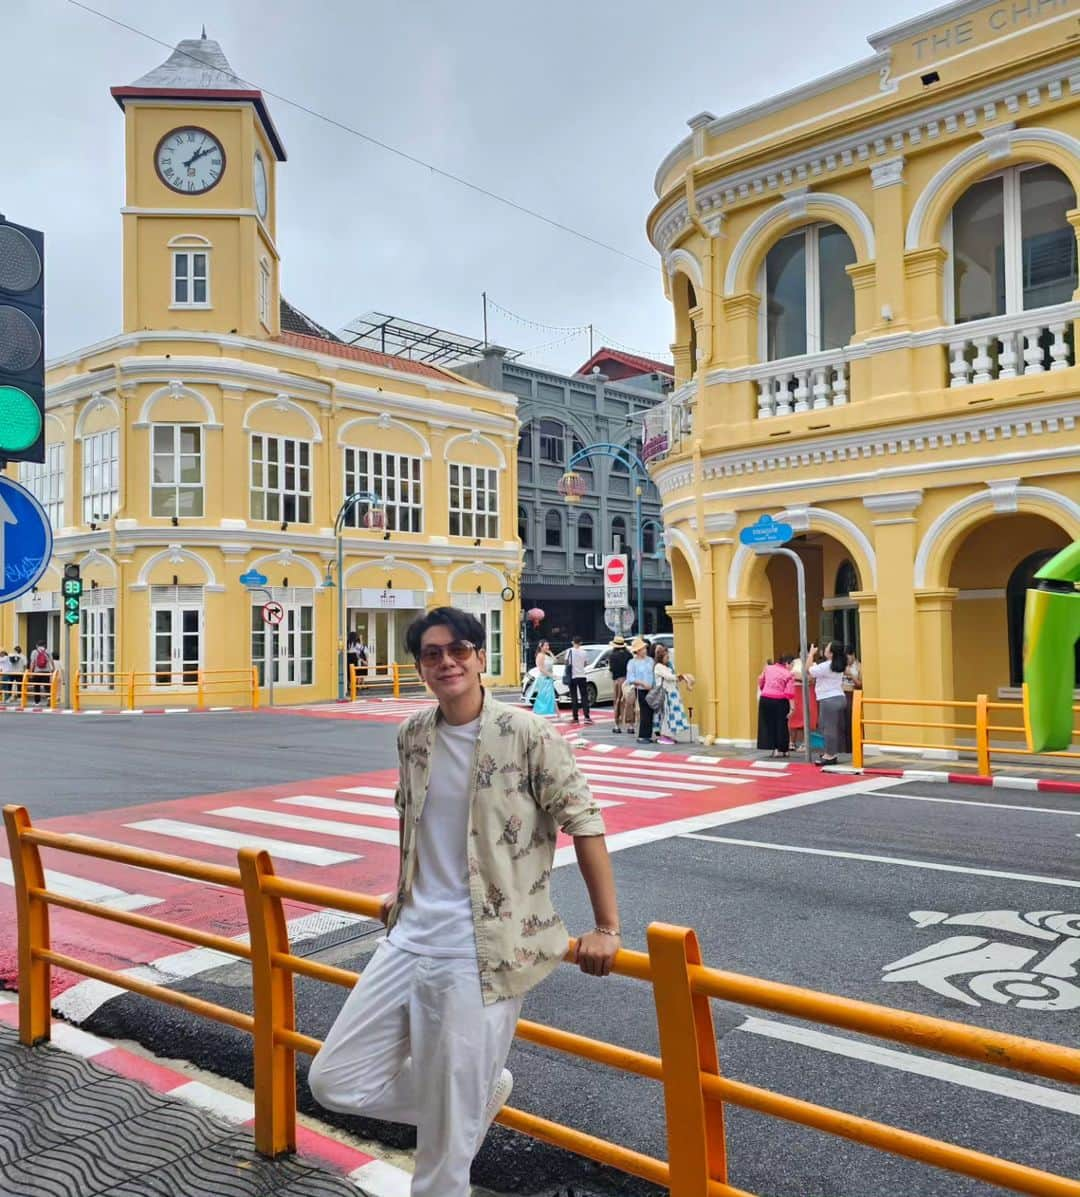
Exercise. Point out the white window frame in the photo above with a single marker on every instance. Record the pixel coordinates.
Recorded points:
(473, 519)
(812, 234)
(45, 481)
(176, 486)
(177, 600)
(292, 666)
(100, 475)
(1013, 232)
(264, 293)
(284, 446)
(400, 515)
(97, 640)
(189, 276)
(492, 620)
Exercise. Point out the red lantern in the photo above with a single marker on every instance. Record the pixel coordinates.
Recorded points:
(572, 486)
(374, 517)
(534, 615)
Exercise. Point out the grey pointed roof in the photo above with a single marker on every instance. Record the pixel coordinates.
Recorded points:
(197, 64)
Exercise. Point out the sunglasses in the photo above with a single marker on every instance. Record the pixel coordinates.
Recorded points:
(456, 650)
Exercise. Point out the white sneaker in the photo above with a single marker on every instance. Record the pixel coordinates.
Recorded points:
(499, 1097)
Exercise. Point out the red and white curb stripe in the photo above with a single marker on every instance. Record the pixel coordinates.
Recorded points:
(118, 711)
(372, 1176)
(999, 781)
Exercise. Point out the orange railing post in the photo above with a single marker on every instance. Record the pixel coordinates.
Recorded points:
(200, 697)
(25, 690)
(274, 1009)
(352, 683)
(695, 1127)
(254, 687)
(32, 915)
(397, 680)
(856, 729)
(131, 690)
(75, 691)
(982, 734)
(54, 690)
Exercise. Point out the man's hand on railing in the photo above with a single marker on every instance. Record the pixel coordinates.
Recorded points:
(596, 951)
(385, 905)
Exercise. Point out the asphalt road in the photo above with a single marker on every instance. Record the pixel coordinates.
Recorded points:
(832, 896)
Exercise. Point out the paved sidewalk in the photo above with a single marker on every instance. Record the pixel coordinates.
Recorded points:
(72, 1128)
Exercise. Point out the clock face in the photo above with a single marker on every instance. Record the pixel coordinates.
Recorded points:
(189, 160)
(260, 185)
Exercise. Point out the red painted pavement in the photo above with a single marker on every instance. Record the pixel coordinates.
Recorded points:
(221, 911)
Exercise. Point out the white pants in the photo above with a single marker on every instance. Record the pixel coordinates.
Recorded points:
(415, 1043)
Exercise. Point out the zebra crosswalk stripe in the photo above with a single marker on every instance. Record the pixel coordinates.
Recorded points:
(343, 805)
(87, 891)
(334, 827)
(221, 837)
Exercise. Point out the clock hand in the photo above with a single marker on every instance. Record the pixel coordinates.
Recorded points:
(199, 153)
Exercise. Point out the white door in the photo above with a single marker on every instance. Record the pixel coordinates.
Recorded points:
(97, 655)
(177, 645)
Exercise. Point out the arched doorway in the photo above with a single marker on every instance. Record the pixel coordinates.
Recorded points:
(831, 579)
(991, 569)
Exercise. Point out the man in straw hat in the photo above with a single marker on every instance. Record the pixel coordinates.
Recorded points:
(617, 663)
(640, 676)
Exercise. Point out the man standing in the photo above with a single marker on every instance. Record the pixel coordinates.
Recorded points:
(12, 679)
(484, 788)
(41, 671)
(640, 674)
(577, 661)
(617, 663)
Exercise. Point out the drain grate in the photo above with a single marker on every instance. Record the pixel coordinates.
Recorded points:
(331, 929)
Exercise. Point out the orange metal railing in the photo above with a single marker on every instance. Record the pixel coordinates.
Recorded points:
(381, 677)
(980, 729)
(123, 688)
(687, 1066)
(39, 694)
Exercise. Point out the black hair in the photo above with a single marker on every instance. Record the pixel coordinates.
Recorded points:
(461, 623)
(838, 659)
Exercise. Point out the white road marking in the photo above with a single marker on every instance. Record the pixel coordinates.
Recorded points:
(87, 891)
(644, 752)
(737, 814)
(79, 1043)
(669, 777)
(1038, 810)
(225, 1105)
(334, 827)
(767, 764)
(605, 802)
(628, 790)
(369, 791)
(940, 1070)
(933, 865)
(603, 747)
(342, 805)
(381, 1179)
(198, 834)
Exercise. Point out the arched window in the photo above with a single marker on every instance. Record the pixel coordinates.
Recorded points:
(585, 531)
(618, 531)
(523, 525)
(525, 442)
(552, 442)
(686, 301)
(553, 530)
(809, 299)
(1020, 580)
(648, 540)
(1013, 248)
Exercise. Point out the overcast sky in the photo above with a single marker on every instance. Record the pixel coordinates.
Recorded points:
(566, 107)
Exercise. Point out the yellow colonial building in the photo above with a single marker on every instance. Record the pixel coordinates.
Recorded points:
(874, 280)
(220, 432)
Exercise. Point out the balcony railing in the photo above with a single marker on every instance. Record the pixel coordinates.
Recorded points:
(811, 382)
(1012, 346)
(665, 425)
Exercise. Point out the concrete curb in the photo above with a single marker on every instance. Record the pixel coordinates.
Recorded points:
(998, 781)
(373, 1177)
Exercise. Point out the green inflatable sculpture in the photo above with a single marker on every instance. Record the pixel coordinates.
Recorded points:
(1051, 630)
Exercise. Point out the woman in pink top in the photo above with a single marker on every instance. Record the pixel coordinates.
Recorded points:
(776, 687)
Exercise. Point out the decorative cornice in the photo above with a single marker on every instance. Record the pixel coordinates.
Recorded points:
(897, 501)
(1005, 497)
(887, 173)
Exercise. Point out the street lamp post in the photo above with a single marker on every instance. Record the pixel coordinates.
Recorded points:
(572, 487)
(373, 501)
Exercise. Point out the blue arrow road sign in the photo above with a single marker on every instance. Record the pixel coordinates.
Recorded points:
(26, 540)
(253, 578)
(766, 532)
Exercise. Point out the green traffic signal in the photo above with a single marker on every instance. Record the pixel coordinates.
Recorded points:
(20, 420)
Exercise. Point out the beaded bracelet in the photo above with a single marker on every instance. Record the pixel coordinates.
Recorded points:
(608, 931)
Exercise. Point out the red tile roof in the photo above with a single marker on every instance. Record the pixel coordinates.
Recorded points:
(645, 365)
(353, 353)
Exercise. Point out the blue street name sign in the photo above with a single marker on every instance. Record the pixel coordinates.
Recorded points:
(766, 532)
(26, 540)
(253, 578)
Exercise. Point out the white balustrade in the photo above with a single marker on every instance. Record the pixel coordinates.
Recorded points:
(798, 385)
(1008, 346)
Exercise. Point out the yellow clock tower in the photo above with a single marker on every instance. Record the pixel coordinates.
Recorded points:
(200, 211)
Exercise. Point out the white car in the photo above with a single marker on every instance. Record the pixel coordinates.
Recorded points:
(597, 674)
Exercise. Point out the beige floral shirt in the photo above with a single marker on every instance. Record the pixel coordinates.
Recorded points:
(525, 786)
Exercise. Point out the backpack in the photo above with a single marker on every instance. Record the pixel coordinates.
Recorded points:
(40, 662)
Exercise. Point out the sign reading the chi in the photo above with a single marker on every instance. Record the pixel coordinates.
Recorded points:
(616, 581)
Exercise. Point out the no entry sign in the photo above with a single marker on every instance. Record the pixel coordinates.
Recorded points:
(616, 587)
(273, 613)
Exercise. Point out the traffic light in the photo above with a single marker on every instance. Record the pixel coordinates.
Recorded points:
(72, 593)
(22, 343)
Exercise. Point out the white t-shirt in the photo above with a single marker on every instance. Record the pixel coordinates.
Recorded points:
(827, 682)
(437, 919)
(579, 661)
